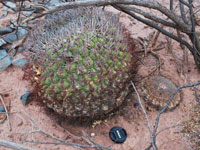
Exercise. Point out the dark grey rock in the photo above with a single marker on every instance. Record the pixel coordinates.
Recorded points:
(13, 24)
(19, 62)
(3, 53)
(20, 49)
(10, 38)
(29, 13)
(2, 109)
(21, 33)
(5, 63)
(10, 4)
(5, 30)
(25, 98)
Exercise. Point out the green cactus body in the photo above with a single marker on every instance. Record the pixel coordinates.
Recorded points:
(88, 74)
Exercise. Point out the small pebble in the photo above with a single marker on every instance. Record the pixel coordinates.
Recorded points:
(3, 53)
(5, 63)
(5, 30)
(25, 97)
(19, 62)
(92, 134)
(20, 49)
(2, 109)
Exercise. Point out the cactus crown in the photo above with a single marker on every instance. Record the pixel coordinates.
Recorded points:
(85, 66)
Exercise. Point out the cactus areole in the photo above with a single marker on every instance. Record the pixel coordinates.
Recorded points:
(82, 62)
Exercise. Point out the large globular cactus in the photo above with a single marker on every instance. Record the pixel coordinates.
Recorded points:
(85, 62)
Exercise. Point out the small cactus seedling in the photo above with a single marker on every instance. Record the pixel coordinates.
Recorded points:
(85, 67)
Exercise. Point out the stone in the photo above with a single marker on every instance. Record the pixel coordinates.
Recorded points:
(8, 10)
(3, 53)
(2, 109)
(92, 134)
(10, 4)
(21, 33)
(54, 2)
(12, 37)
(29, 13)
(5, 30)
(20, 49)
(25, 97)
(4, 14)
(5, 63)
(19, 62)
(2, 42)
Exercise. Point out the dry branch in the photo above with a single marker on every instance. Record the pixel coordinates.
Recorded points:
(126, 6)
(14, 146)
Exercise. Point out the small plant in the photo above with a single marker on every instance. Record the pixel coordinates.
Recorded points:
(85, 65)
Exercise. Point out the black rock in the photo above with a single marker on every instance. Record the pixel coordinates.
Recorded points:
(12, 37)
(5, 30)
(2, 109)
(3, 53)
(25, 98)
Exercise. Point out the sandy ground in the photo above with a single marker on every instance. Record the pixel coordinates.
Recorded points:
(129, 118)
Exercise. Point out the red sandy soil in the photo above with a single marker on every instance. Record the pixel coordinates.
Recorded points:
(11, 80)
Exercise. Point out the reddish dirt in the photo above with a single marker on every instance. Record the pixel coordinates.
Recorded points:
(132, 119)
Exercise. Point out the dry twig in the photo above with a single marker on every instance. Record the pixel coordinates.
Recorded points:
(7, 115)
(144, 111)
(14, 146)
(61, 142)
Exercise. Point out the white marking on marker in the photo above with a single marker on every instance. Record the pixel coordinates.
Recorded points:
(118, 134)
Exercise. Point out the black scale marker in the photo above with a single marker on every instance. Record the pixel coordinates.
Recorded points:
(118, 134)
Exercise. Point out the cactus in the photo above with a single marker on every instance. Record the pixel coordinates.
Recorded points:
(85, 66)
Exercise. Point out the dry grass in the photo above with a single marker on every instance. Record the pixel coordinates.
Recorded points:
(192, 128)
